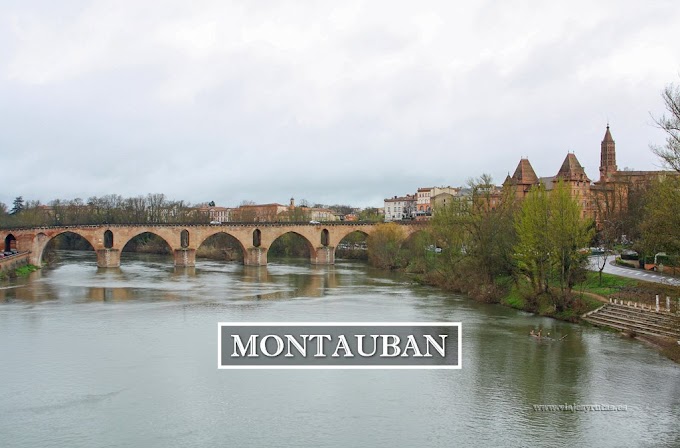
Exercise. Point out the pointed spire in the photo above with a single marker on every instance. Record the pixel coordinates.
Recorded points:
(608, 136)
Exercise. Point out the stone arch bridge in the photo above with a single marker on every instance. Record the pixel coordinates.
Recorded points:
(108, 240)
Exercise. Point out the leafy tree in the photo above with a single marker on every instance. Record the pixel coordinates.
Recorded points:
(371, 214)
(476, 234)
(661, 218)
(670, 124)
(384, 246)
(340, 209)
(569, 232)
(295, 214)
(550, 233)
(3, 214)
(611, 203)
(533, 233)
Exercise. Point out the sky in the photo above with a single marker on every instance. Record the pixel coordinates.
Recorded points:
(333, 102)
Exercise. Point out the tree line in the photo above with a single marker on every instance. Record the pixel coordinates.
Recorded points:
(109, 209)
(537, 245)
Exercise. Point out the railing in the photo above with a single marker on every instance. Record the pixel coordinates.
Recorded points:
(14, 256)
(666, 305)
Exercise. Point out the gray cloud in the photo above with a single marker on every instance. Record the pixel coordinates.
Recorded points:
(335, 103)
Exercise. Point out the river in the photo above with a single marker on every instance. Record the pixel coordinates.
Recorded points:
(128, 357)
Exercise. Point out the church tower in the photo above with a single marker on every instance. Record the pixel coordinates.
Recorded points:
(607, 157)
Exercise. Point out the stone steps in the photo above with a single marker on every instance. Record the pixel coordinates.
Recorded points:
(651, 318)
(631, 319)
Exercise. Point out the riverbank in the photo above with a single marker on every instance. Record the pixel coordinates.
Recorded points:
(14, 265)
(590, 294)
(21, 271)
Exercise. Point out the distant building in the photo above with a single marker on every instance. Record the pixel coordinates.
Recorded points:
(221, 214)
(400, 208)
(523, 179)
(423, 205)
(442, 200)
(609, 194)
(430, 197)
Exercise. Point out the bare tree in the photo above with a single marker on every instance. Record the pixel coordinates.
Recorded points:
(670, 124)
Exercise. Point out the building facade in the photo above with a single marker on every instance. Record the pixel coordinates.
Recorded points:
(400, 208)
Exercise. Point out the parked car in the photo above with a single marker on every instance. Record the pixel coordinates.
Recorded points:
(314, 222)
(215, 222)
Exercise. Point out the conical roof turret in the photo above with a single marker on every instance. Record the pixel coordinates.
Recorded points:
(524, 174)
(572, 170)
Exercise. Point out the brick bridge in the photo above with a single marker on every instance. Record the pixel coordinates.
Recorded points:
(108, 240)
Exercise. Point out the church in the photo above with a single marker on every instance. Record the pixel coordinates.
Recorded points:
(597, 199)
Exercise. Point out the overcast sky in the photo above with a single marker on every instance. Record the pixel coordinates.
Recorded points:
(333, 102)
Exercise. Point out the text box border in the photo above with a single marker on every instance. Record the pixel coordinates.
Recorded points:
(339, 324)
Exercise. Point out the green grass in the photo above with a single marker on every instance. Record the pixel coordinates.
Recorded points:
(514, 298)
(610, 284)
(23, 271)
(524, 298)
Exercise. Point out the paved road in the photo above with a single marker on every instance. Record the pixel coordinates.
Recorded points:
(639, 274)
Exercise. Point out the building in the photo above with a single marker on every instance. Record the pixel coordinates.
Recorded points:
(597, 200)
(523, 179)
(400, 208)
(423, 204)
(571, 172)
(428, 197)
(221, 214)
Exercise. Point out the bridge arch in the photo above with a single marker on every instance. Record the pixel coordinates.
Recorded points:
(41, 240)
(307, 250)
(353, 245)
(342, 233)
(228, 245)
(122, 244)
(148, 242)
(242, 239)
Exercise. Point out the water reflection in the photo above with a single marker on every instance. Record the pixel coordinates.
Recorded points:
(134, 348)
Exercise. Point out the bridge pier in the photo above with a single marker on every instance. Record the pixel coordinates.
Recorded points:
(108, 258)
(185, 257)
(323, 255)
(255, 256)
(35, 258)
